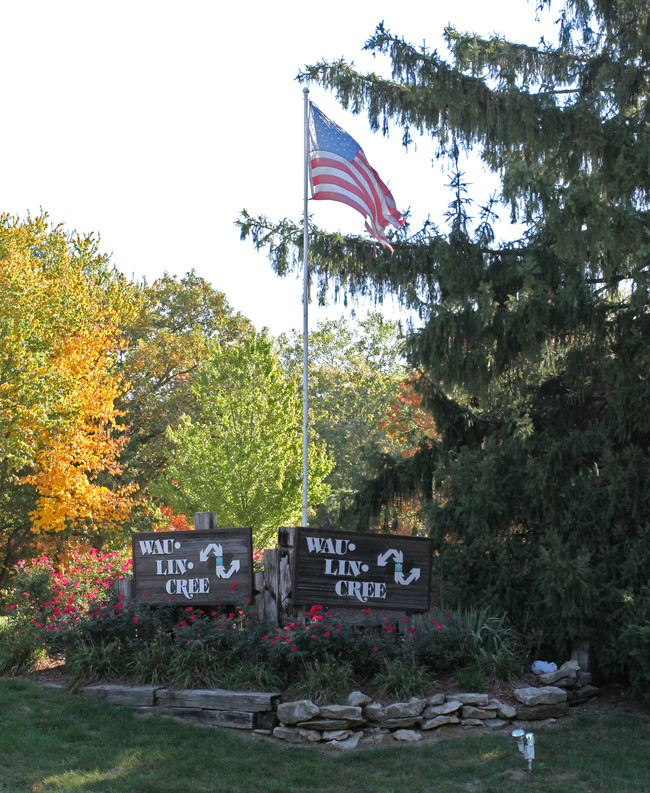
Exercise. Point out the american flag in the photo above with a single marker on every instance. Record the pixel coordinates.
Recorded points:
(339, 171)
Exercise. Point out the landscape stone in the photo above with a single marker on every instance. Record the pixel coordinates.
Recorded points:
(439, 721)
(374, 712)
(568, 670)
(349, 743)
(504, 711)
(341, 712)
(400, 710)
(289, 734)
(537, 712)
(313, 736)
(472, 723)
(336, 735)
(472, 712)
(293, 712)
(495, 724)
(432, 711)
(436, 699)
(407, 735)
(546, 695)
(472, 699)
(358, 698)
(566, 682)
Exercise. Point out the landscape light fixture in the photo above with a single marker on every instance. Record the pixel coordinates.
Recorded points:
(527, 748)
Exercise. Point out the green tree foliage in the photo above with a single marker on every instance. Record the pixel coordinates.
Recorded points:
(354, 374)
(168, 339)
(535, 350)
(240, 453)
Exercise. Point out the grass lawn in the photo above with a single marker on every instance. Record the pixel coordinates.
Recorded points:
(51, 741)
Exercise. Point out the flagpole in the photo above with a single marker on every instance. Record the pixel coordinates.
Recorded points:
(305, 328)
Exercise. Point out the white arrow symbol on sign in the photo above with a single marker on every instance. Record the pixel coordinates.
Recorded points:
(382, 559)
(234, 567)
(214, 548)
(414, 575)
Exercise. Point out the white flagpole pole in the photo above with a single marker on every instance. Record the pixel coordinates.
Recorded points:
(305, 330)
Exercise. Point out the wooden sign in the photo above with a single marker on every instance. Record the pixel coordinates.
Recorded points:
(356, 570)
(196, 568)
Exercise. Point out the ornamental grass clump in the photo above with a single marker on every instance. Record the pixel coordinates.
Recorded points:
(403, 678)
(323, 682)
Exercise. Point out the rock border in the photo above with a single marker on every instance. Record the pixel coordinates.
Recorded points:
(343, 726)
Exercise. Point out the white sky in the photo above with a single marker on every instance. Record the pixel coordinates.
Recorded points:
(153, 123)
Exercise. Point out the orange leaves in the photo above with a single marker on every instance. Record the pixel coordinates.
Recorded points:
(67, 467)
(408, 422)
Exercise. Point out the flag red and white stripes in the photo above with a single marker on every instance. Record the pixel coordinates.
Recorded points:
(339, 171)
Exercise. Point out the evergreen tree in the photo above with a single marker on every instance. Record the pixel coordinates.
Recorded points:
(535, 352)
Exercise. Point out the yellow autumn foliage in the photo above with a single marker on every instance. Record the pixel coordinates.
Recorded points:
(59, 434)
(67, 467)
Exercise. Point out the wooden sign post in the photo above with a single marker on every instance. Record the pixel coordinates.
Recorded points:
(195, 568)
(357, 570)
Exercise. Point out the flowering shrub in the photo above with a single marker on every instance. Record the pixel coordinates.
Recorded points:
(75, 610)
(50, 598)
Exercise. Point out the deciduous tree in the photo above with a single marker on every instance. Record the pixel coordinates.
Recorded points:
(354, 373)
(240, 453)
(168, 339)
(58, 425)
